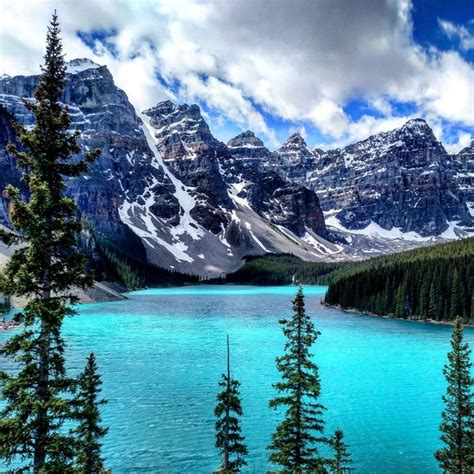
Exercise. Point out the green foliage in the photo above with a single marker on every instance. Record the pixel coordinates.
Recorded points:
(282, 270)
(134, 272)
(342, 459)
(119, 268)
(229, 439)
(86, 412)
(5, 305)
(432, 282)
(457, 426)
(294, 444)
(43, 269)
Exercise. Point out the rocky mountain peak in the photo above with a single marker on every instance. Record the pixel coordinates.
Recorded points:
(182, 124)
(469, 150)
(245, 139)
(417, 127)
(416, 123)
(78, 65)
(295, 140)
(294, 159)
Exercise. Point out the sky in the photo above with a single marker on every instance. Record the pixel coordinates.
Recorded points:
(335, 71)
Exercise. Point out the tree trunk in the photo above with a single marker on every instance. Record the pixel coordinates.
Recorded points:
(42, 391)
(227, 412)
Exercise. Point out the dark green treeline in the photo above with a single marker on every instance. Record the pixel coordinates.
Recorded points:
(430, 283)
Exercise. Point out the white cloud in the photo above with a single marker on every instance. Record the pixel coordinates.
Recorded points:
(301, 61)
(465, 37)
(463, 140)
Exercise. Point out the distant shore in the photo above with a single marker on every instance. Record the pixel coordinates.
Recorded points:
(388, 316)
(7, 324)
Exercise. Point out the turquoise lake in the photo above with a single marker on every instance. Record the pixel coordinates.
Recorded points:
(162, 351)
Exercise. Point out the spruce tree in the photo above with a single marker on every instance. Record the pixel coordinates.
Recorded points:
(44, 269)
(457, 426)
(229, 439)
(342, 459)
(89, 431)
(294, 444)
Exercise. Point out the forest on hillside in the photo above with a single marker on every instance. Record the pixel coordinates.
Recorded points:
(434, 282)
(428, 283)
(282, 270)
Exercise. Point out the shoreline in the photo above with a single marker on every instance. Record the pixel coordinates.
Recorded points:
(387, 316)
(8, 325)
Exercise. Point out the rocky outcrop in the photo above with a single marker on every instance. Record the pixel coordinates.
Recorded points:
(402, 179)
(295, 159)
(165, 190)
(464, 167)
(160, 190)
(191, 153)
(9, 173)
(107, 121)
(282, 201)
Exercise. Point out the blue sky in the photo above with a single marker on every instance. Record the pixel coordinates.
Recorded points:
(334, 70)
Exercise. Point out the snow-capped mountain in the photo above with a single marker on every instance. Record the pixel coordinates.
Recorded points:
(295, 159)
(464, 166)
(402, 181)
(163, 189)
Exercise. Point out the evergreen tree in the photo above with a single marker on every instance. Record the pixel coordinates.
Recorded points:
(89, 431)
(43, 269)
(455, 303)
(342, 459)
(424, 300)
(457, 426)
(294, 443)
(229, 439)
(433, 310)
(435, 282)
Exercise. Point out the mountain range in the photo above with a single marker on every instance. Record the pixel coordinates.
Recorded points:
(167, 192)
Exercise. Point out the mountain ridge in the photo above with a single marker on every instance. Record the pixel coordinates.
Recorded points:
(167, 190)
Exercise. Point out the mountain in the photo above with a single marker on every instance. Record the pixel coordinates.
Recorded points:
(464, 165)
(401, 181)
(295, 159)
(166, 192)
(163, 189)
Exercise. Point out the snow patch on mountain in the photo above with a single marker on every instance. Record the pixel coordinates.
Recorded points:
(79, 65)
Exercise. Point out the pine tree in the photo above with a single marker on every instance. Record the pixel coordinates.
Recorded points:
(424, 299)
(433, 310)
(43, 269)
(89, 431)
(342, 459)
(457, 426)
(294, 443)
(455, 303)
(229, 439)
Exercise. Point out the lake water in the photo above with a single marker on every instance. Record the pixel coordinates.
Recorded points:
(161, 354)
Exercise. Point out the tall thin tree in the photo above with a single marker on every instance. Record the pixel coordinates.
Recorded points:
(89, 431)
(295, 442)
(229, 439)
(342, 460)
(457, 426)
(43, 269)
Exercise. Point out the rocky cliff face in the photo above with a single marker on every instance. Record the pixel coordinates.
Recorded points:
(161, 189)
(107, 121)
(295, 159)
(402, 180)
(464, 167)
(231, 205)
(250, 173)
(167, 191)
(9, 173)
